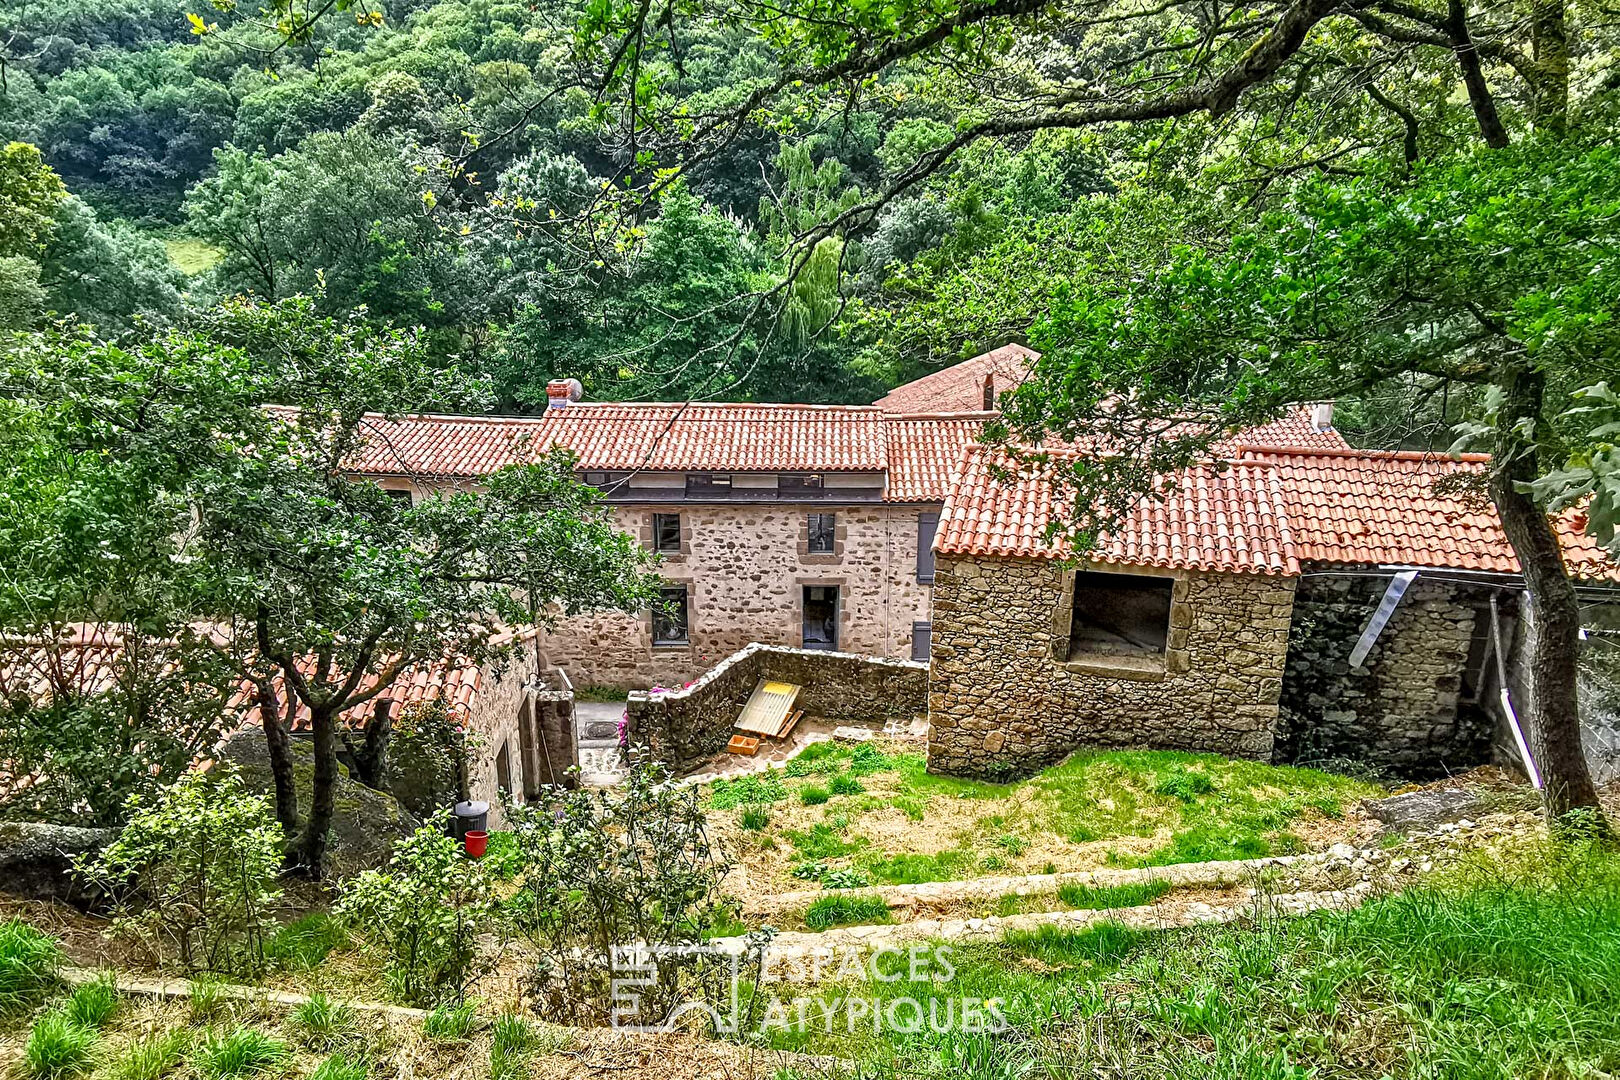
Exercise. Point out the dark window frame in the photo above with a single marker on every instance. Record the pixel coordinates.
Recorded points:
(661, 523)
(707, 483)
(801, 481)
(821, 529)
(400, 495)
(833, 625)
(673, 628)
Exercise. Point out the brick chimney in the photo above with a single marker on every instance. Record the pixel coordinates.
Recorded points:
(560, 393)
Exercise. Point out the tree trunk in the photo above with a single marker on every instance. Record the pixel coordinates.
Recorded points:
(1479, 91)
(312, 845)
(371, 761)
(1549, 41)
(1552, 716)
(278, 744)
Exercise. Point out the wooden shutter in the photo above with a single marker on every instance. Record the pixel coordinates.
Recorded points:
(926, 524)
(922, 640)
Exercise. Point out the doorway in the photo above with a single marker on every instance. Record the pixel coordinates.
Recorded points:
(821, 616)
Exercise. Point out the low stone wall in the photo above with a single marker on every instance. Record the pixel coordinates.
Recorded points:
(685, 728)
(1403, 709)
(1007, 698)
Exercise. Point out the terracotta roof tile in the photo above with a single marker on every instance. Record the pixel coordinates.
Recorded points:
(1231, 519)
(960, 387)
(925, 452)
(704, 436)
(1405, 508)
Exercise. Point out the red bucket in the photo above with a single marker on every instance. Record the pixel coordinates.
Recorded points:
(477, 842)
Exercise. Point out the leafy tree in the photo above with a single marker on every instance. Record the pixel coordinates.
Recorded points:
(29, 193)
(106, 273)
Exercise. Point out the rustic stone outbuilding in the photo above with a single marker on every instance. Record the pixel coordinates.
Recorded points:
(1225, 616)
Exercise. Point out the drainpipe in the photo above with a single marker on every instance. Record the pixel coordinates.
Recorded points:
(1507, 701)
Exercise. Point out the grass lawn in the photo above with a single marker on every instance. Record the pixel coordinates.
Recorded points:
(848, 817)
(1505, 968)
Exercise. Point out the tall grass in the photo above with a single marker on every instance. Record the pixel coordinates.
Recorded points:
(844, 909)
(320, 1022)
(29, 965)
(149, 1058)
(244, 1052)
(57, 1048)
(92, 1003)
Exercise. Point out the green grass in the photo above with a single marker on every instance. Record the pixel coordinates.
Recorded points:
(1504, 969)
(845, 909)
(604, 693)
(814, 795)
(191, 255)
(29, 965)
(92, 1004)
(1104, 897)
(58, 1047)
(320, 1022)
(754, 818)
(208, 1000)
(244, 1052)
(148, 1058)
(305, 942)
(449, 1022)
(764, 787)
(340, 1067)
(913, 869)
(822, 841)
(845, 784)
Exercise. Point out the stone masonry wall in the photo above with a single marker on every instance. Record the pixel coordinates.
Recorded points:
(1402, 709)
(1001, 703)
(685, 728)
(744, 568)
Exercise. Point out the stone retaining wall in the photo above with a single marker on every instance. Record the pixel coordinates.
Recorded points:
(1006, 697)
(684, 728)
(1404, 708)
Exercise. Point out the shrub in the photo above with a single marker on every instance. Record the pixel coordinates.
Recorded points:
(58, 1047)
(449, 1022)
(634, 863)
(244, 1052)
(845, 784)
(303, 943)
(149, 1058)
(426, 751)
(1103, 897)
(193, 873)
(320, 1021)
(1184, 784)
(340, 1067)
(29, 965)
(845, 910)
(92, 1004)
(813, 795)
(755, 818)
(424, 910)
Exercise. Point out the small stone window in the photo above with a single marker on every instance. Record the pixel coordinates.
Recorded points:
(1120, 615)
(823, 534)
(669, 617)
(666, 534)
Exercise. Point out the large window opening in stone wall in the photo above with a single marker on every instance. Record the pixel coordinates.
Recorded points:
(666, 533)
(1120, 615)
(669, 617)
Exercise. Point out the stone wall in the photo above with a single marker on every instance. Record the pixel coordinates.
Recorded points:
(685, 728)
(744, 568)
(1403, 709)
(1005, 698)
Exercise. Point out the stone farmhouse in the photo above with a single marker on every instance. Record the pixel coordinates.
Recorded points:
(809, 526)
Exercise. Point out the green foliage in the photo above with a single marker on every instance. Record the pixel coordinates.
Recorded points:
(30, 191)
(306, 941)
(424, 912)
(30, 961)
(911, 868)
(91, 1004)
(1053, 944)
(207, 999)
(244, 1052)
(754, 818)
(845, 784)
(513, 1040)
(754, 788)
(320, 1022)
(193, 873)
(340, 1067)
(150, 1057)
(844, 909)
(426, 752)
(58, 1047)
(813, 795)
(821, 841)
(448, 1021)
(849, 878)
(630, 863)
(1103, 897)
(1184, 784)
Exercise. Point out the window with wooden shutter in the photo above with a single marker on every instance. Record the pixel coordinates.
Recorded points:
(926, 524)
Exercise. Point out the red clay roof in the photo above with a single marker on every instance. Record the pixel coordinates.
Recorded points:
(1273, 510)
(455, 682)
(960, 387)
(653, 436)
(925, 452)
(1230, 520)
(1409, 509)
